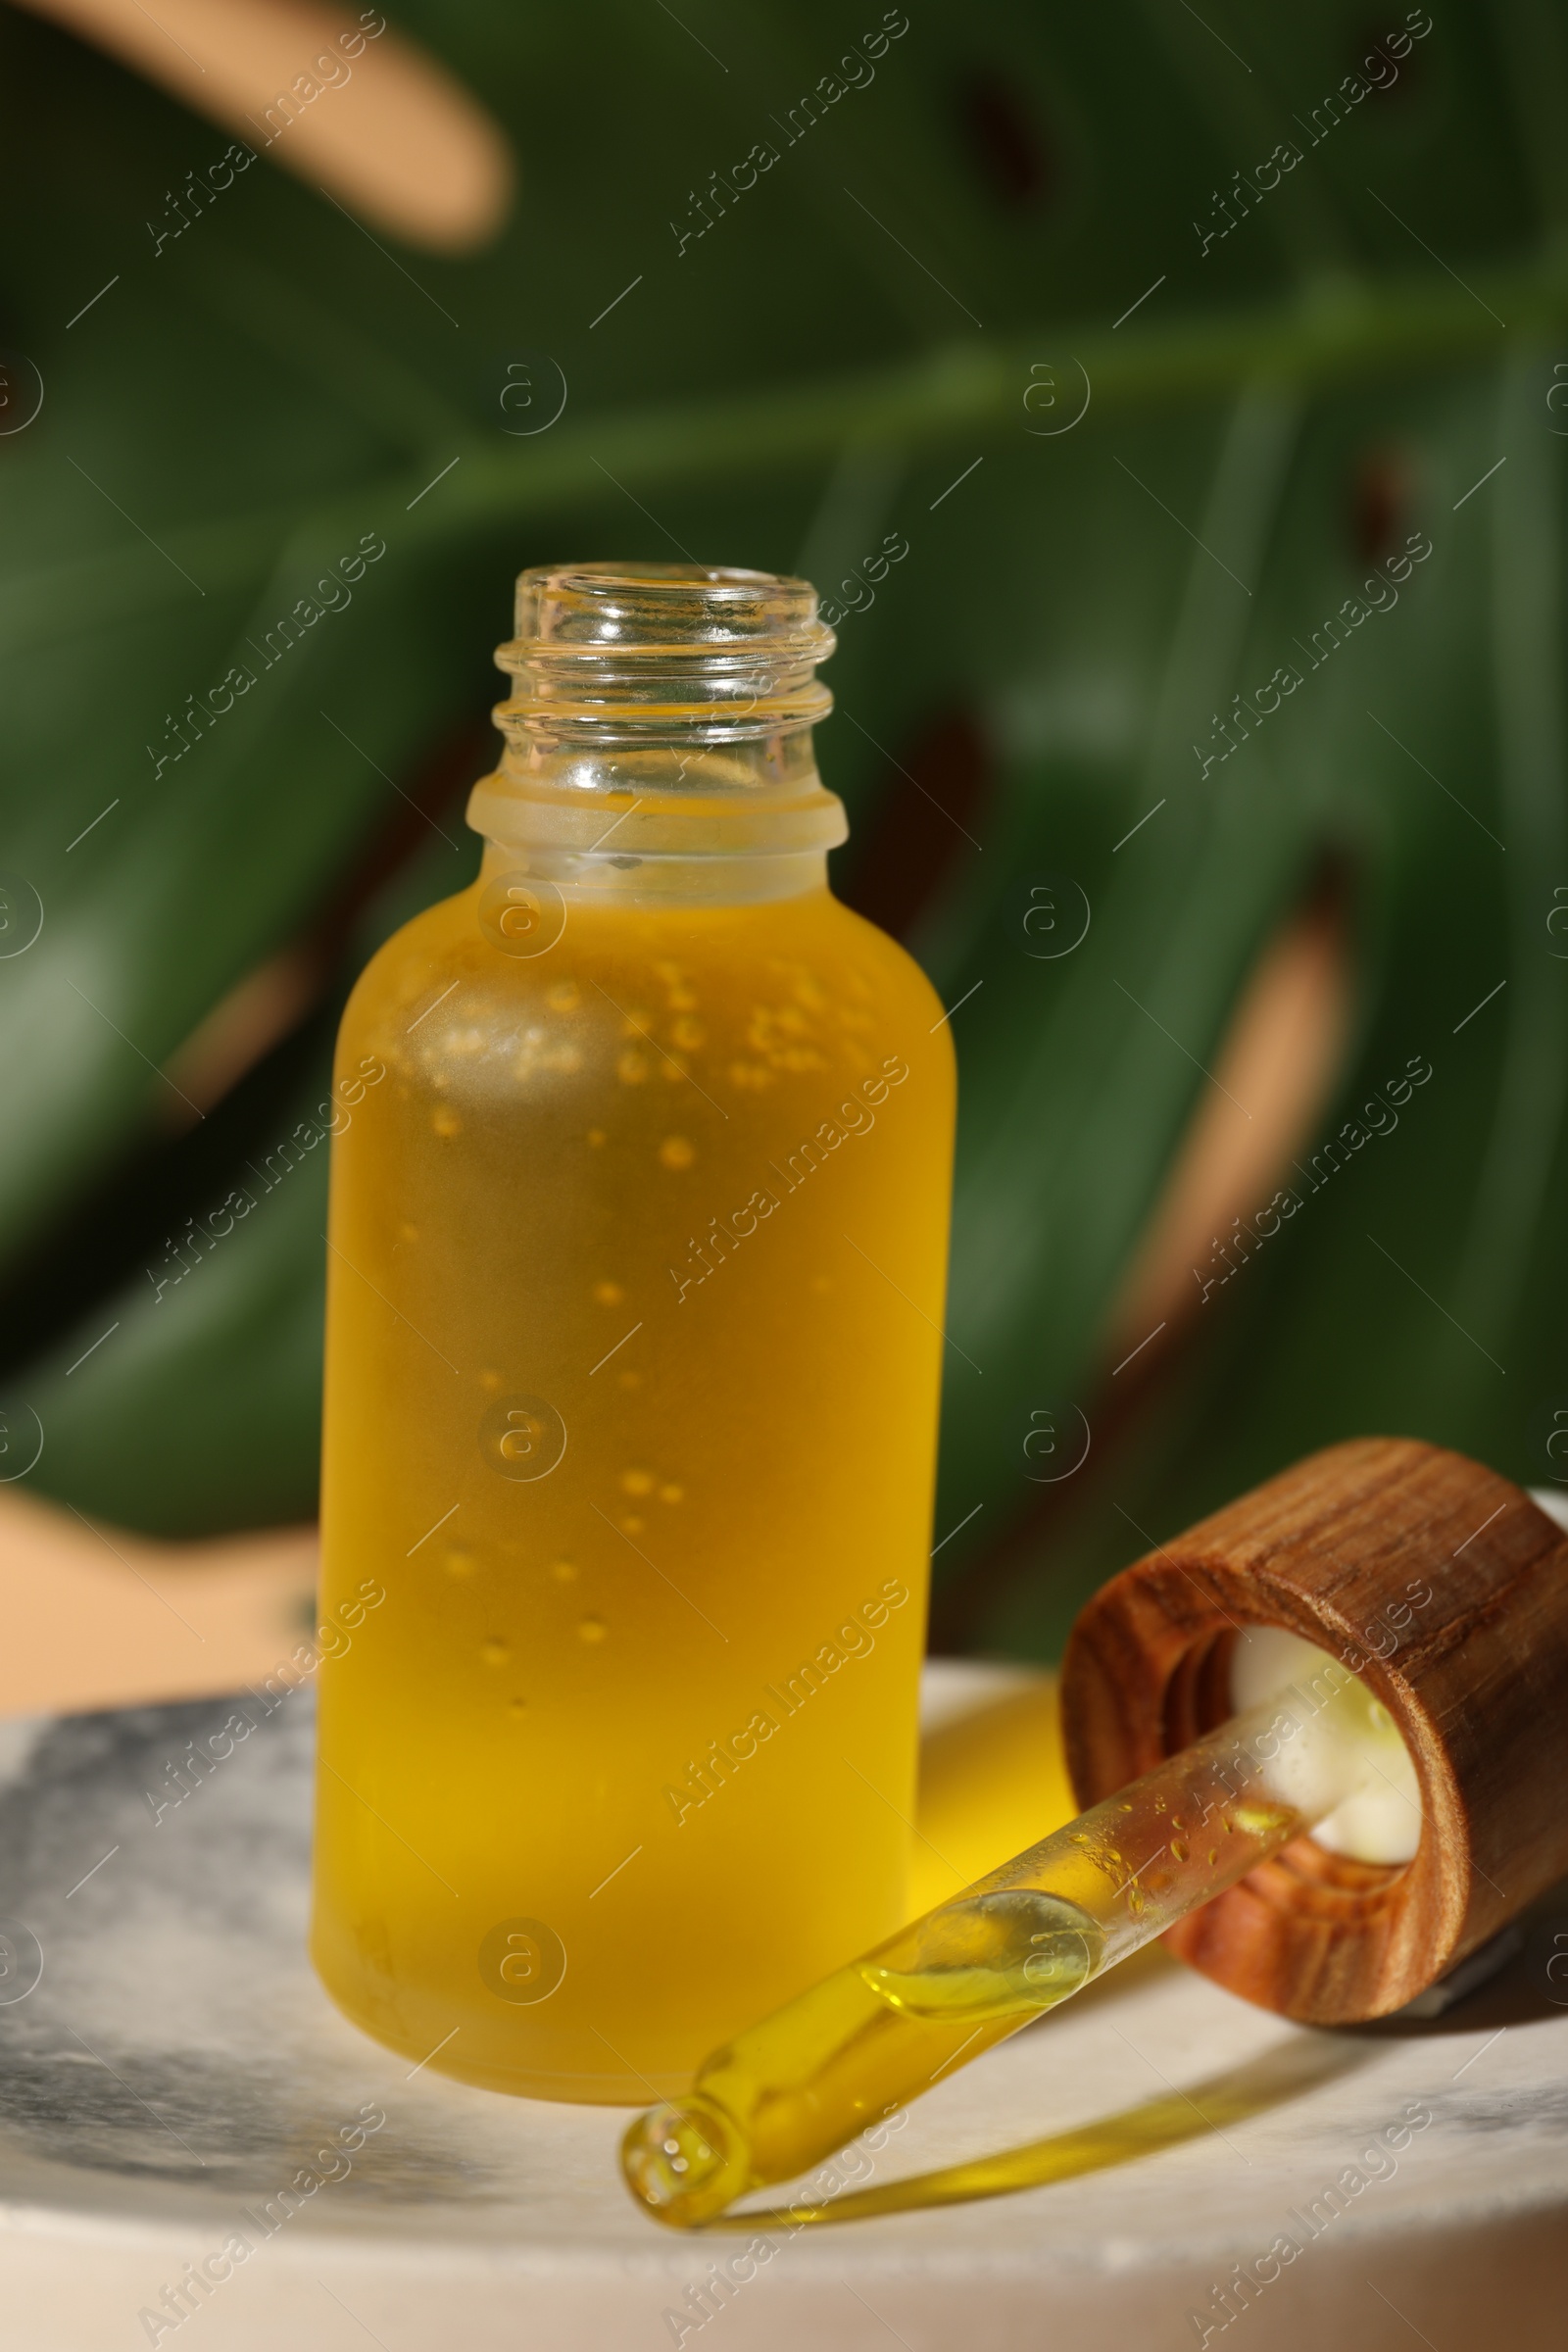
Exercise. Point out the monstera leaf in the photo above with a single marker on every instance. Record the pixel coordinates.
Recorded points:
(1204, 370)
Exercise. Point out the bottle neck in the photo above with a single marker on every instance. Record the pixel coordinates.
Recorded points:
(659, 735)
(734, 823)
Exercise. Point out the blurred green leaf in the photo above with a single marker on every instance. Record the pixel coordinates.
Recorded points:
(1367, 352)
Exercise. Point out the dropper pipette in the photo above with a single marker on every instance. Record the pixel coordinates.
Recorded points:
(855, 2048)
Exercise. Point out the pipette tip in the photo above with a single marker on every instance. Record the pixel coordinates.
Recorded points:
(685, 2163)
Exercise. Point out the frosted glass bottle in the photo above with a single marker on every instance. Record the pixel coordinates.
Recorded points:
(635, 1296)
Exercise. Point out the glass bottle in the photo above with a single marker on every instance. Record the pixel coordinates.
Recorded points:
(634, 1323)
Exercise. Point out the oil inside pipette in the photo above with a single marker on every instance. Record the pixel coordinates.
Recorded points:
(986, 1955)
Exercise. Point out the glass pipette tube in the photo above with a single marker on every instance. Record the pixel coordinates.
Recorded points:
(855, 2048)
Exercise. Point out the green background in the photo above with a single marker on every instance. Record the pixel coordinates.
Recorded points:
(856, 331)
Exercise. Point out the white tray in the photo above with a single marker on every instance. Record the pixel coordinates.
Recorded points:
(176, 2064)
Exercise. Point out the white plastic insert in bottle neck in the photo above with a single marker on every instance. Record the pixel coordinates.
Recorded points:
(1349, 1736)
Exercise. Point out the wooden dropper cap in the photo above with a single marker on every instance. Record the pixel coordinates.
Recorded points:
(1339, 1550)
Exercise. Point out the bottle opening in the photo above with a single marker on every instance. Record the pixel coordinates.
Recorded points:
(639, 652)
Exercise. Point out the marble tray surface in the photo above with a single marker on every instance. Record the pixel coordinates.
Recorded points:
(176, 2065)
